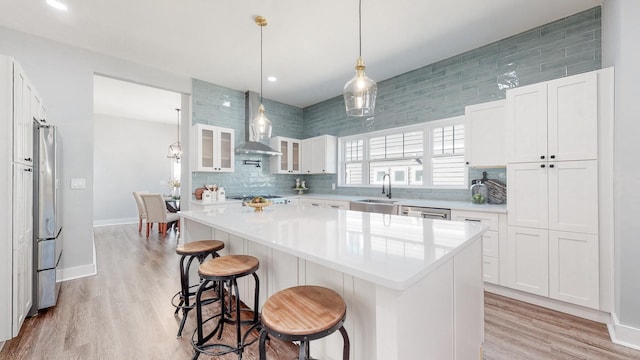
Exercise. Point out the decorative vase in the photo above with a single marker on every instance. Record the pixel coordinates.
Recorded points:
(175, 193)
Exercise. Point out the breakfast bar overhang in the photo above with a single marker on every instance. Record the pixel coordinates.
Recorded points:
(413, 286)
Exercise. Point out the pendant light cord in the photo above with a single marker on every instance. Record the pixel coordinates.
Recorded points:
(178, 110)
(360, 25)
(261, 64)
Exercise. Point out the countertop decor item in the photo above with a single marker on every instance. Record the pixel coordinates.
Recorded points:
(300, 187)
(258, 207)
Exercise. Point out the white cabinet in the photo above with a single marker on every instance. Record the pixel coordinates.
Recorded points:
(22, 244)
(213, 149)
(19, 106)
(27, 108)
(494, 247)
(571, 271)
(555, 120)
(319, 155)
(528, 260)
(485, 131)
(289, 161)
(552, 190)
(325, 203)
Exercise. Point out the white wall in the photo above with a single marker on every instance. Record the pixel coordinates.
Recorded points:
(620, 34)
(129, 155)
(63, 76)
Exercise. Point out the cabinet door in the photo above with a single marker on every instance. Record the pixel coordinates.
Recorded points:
(22, 244)
(225, 149)
(295, 157)
(305, 159)
(528, 260)
(573, 118)
(26, 107)
(574, 268)
(485, 134)
(527, 123)
(205, 143)
(286, 156)
(573, 196)
(527, 195)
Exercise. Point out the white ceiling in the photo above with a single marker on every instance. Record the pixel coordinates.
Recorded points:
(132, 101)
(310, 46)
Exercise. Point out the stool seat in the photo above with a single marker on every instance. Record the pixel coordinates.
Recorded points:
(199, 247)
(303, 313)
(228, 266)
(303, 310)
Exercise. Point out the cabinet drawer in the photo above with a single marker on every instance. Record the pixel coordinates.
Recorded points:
(491, 219)
(491, 269)
(336, 204)
(491, 243)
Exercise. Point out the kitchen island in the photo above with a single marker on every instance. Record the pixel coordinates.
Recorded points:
(413, 287)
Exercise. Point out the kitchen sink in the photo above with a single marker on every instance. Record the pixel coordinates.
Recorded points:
(381, 206)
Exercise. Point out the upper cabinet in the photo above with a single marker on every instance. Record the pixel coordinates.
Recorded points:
(214, 148)
(289, 161)
(555, 120)
(319, 155)
(27, 108)
(485, 128)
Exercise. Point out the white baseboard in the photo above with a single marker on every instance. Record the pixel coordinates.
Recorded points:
(624, 335)
(111, 222)
(77, 272)
(561, 306)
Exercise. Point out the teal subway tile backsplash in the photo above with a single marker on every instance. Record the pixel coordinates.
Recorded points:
(564, 47)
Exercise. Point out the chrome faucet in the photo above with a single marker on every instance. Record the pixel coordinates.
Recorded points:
(389, 192)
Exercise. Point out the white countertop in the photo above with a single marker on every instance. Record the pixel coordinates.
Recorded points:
(445, 204)
(215, 202)
(388, 250)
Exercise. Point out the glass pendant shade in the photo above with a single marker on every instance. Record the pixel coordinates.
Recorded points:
(175, 149)
(260, 125)
(360, 93)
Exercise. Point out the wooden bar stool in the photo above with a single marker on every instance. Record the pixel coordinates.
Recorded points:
(197, 250)
(303, 313)
(225, 270)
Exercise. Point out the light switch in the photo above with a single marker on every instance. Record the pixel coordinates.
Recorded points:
(80, 183)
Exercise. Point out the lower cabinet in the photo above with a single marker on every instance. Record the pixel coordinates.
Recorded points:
(557, 264)
(493, 243)
(528, 260)
(325, 203)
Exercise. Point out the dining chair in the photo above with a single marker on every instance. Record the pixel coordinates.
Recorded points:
(142, 212)
(157, 213)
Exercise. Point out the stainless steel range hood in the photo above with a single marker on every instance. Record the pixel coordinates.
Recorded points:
(253, 145)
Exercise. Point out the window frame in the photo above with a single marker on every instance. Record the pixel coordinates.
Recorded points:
(427, 154)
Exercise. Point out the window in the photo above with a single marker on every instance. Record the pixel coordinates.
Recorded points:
(434, 149)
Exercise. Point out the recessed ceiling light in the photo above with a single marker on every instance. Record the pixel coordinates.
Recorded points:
(272, 78)
(57, 5)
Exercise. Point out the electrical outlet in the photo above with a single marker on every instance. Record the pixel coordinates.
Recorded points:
(333, 186)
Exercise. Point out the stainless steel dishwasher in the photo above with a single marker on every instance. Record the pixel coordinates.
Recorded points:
(426, 212)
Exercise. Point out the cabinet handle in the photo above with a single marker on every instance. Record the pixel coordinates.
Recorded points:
(552, 156)
(475, 220)
(28, 159)
(542, 165)
(542, 157)
(466, 163)
(28, 169)
(551, 166)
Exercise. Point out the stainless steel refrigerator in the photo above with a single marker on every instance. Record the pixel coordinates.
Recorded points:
(47, 221)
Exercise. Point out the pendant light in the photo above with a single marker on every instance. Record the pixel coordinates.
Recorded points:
(175, 149)
(260, 125)
(360, 92)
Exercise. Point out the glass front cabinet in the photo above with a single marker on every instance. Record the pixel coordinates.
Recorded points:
(214, 148)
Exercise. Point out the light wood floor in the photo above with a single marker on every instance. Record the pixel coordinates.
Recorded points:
(124, 313)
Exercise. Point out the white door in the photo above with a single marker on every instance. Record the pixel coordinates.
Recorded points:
(528, 260)
(527, 195)
(527, 123)
(573, 118)
(22, 244)
(225, 151)
(574, 268)
(573, 196)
